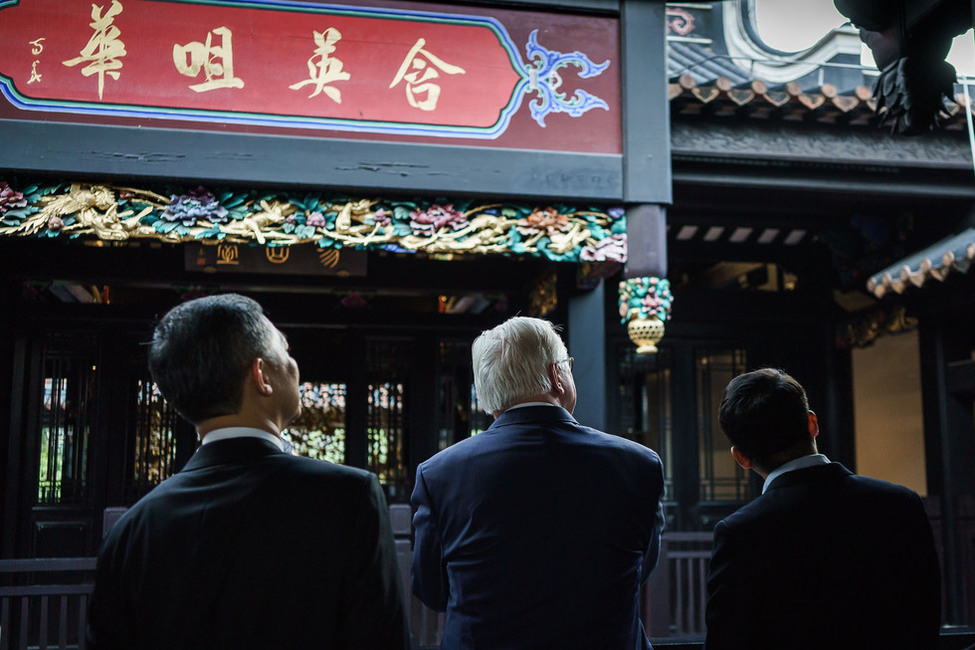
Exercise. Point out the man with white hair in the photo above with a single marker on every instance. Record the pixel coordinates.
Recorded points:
(538, 532)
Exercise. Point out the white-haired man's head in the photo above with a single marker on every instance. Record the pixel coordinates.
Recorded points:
(522, 360)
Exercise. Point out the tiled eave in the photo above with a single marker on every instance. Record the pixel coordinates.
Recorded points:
(953, 254)
(756, 100)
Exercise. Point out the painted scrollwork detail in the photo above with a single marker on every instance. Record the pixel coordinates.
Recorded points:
(545, 81)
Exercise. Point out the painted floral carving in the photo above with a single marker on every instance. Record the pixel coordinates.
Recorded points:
(9, 199)
(611, 249)
(544, 221)
(645, 297)
(558, 232)
(431, 220)
(199, 204)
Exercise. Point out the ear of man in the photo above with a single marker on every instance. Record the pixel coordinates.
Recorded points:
(740, 458)
(259, 377)
(558, 385)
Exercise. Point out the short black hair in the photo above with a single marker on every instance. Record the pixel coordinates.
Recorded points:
(764, 412)
(201, 351)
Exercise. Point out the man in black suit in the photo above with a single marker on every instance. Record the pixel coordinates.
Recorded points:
(538, 532)
(247, 546)
(823, 558)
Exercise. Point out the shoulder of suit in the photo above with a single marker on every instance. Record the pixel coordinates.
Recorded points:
(880, 485)
(463, 448)
(484, 441)
(760, 507)
(624, 445)
(314, 466)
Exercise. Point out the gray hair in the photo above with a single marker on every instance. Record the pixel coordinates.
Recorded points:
(511, 361)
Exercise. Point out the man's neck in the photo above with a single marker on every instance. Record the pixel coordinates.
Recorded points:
(546, 399)
(807, 460)
(777, 460)
(236, 421)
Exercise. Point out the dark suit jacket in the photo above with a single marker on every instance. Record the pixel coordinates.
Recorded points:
(250, 547)
(825, 559)
(538, 533)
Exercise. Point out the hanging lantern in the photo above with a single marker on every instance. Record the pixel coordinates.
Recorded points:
(644, 307)
(645, 333)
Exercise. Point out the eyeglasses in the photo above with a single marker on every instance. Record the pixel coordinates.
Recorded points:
(571, 360)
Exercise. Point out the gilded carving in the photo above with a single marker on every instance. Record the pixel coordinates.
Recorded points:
(556, 231)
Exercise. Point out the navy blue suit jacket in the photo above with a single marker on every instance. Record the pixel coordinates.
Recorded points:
(538, 533)
(825, 559)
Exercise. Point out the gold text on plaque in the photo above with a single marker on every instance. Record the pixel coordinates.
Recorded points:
(418, 70)
(215, 61)
(329, 258)
(323, 68)
(277, 254)
(105, 49)
(227, 254)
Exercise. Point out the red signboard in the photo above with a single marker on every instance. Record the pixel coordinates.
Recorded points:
(339, 69)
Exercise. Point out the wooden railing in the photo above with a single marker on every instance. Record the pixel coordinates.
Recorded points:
(44, 602)
(673, 600)
(426, 625)
(675, 596)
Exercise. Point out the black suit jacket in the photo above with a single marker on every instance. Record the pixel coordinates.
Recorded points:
(825, 559)
(538, 533)
(250, 547)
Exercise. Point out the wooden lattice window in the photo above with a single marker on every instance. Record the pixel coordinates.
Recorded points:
(65, 417)
(646, 413)
(459, 415)
(721, 478)
(154, 450)
(386, 416)
(319, 431)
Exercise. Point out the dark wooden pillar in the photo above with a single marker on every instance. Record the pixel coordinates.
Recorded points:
(424, 393)
(587, 343)
(949, 428)
(646, 105)
(646, 235)
(647, 179)
(11, 379)
(837, 427)
(357, 406)
(686, 446)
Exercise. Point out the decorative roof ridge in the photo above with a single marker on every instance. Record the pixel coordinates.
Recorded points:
(789, 101)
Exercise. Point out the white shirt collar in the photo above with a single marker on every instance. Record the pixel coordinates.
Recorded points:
(799, 463)
(228, 433)
(527, 404)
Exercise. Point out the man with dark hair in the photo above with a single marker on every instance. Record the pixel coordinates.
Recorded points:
(823, 558)
(247, 546)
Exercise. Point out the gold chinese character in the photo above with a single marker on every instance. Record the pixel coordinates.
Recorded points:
(216, 61)
(324, 69)
(422, 70)
(277, 254)
(34, 74)
(104, 49)
(37, 46)
(328, 258)
(227, 254)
